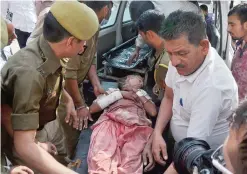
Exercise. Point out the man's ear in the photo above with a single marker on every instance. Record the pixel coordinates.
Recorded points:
(150, 34)
(245, 26)
(69, 41)
(204, 44)
(104, 11)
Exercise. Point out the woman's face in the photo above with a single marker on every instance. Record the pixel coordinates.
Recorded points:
(133, 83)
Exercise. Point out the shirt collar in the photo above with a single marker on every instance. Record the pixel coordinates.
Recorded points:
(52, 63)
(191, 78)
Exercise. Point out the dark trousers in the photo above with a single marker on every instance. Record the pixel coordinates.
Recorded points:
(22, 37)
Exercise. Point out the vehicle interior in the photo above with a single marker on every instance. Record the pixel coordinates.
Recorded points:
(119, 33)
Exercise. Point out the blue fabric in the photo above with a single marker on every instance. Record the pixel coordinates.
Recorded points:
(82, 151)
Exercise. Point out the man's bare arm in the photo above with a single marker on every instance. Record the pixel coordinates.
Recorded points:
(72, 88)
(93, 77)
(35, 156)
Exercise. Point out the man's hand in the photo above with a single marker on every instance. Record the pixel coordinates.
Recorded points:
(84, 115)
(159, 148)
(133, 57)
(98, 90)
(21, 170)
(130, 95)
(48, 147)
(71, 117)
(147, 157)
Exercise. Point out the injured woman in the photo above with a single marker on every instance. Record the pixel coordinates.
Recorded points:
(121, 132)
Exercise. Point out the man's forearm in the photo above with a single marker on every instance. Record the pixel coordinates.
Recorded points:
(93, 77)
(41, 160)
(164, 116)
(72, 88)
(35, 156)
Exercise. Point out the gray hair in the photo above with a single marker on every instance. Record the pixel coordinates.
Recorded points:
(181, 23)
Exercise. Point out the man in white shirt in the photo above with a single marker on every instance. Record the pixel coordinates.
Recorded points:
(136, 8)
(201, 92)
(22, 15)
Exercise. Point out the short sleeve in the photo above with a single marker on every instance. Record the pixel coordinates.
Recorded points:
(71, 68)
(169, 75)
(28, 86)
(205, 111)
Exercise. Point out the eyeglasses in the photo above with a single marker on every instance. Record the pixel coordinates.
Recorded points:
(218, 160)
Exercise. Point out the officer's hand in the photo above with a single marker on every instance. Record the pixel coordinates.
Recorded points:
(48, 147)
(21, 170)
(147, 157)
(84, 115)
(159, 148)
(98, 90)
(133, 57)
(71, 117)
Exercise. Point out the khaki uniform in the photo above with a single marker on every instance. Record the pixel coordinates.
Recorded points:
(31, 86)
(77, 68)
(161, 67)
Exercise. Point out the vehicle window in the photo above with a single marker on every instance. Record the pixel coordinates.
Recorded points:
(112, 19)
(126, 17)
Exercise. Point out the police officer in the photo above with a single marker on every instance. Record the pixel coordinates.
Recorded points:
(76, 71)
(32, 80)
(149, 25)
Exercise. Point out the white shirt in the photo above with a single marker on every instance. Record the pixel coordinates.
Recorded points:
(24, 15)
(167, 7)
(203, 101)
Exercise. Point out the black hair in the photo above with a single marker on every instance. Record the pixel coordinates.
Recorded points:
(136, 8)
(241, 11)
(52, 30)
(180, 23)
(97, 5)
(150, 20)
(204, 7)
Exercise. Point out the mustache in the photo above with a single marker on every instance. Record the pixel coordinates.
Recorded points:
(180, 66)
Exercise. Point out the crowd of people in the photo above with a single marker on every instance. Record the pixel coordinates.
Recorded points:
(47, 126)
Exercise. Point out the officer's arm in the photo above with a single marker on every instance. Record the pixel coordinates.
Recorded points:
(28, 86)
(93, 77)
(35, 156)
(71, 84)
(72, 88)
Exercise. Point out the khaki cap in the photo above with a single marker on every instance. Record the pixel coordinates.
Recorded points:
(4, 33)
(77, 18)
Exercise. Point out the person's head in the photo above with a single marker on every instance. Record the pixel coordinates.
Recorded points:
(237, 22)
(130, 83)
(4, 33)
(101, 8)
(68, 26)
(204, 9)
(185, 40)
(148, 25)
(7, 33)
(136, 8)
(11, 33)
(235, 146)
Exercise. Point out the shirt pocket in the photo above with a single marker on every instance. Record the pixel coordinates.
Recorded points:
(185, 109)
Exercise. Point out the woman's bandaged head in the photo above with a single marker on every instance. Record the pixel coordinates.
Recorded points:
(131, 82)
